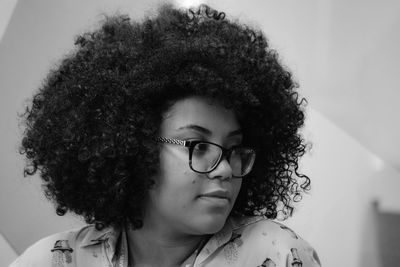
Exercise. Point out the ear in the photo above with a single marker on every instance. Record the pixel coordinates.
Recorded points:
(153, 182)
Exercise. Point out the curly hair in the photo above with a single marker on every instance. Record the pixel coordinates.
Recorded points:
(90, 128)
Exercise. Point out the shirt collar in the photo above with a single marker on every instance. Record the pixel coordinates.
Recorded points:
(95, 237)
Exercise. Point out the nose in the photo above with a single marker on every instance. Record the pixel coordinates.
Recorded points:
(223, 171)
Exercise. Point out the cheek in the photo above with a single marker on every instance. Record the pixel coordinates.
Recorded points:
(236, 185)
(174, 164)
(179, 186)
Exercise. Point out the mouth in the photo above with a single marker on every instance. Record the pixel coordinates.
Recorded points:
(218, 196)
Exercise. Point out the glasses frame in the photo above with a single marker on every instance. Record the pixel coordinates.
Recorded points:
(190, 144)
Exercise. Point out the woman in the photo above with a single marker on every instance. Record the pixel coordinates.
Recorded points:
(169, 136)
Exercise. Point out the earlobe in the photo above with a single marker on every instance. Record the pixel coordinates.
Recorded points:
(153, 182)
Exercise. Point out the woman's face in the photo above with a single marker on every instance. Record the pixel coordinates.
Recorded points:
(182, 200)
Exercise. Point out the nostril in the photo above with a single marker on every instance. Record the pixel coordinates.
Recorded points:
(223, 171)
(220, 177)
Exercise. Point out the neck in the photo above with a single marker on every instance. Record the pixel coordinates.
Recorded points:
(158, 247)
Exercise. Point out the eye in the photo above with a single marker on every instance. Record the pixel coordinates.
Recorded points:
(233, 142)
(202, 147)
(235, 147)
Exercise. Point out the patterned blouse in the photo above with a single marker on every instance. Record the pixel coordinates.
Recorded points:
(244, 242)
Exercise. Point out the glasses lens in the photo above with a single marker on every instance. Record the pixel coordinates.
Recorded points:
(241, 161)
(205, 156)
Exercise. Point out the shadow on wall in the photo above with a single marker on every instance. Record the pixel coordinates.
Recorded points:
(7, 253)
(381, 238)
(388, 237)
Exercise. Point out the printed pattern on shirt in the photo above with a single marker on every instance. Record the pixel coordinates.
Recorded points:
(61, 254)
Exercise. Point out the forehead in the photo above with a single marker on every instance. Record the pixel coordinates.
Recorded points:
(199, 111)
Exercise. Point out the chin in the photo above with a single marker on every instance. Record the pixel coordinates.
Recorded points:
(211, 224)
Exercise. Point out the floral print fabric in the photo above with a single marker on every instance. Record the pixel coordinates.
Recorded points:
(244, 242)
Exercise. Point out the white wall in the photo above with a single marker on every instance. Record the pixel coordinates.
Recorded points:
(6, 10)
(338, 217)
(7, 253)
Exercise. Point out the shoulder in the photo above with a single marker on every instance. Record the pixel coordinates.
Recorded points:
(259, 225)
(41, 252)
(273, 241)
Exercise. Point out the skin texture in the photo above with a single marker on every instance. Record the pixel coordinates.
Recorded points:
(175, 198)
(177, 216)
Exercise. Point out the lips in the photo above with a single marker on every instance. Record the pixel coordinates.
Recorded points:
(216, 194)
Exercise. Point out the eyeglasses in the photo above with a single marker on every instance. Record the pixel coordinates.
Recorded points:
(204, 156)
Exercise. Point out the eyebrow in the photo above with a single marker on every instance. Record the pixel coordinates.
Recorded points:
(206, 131)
